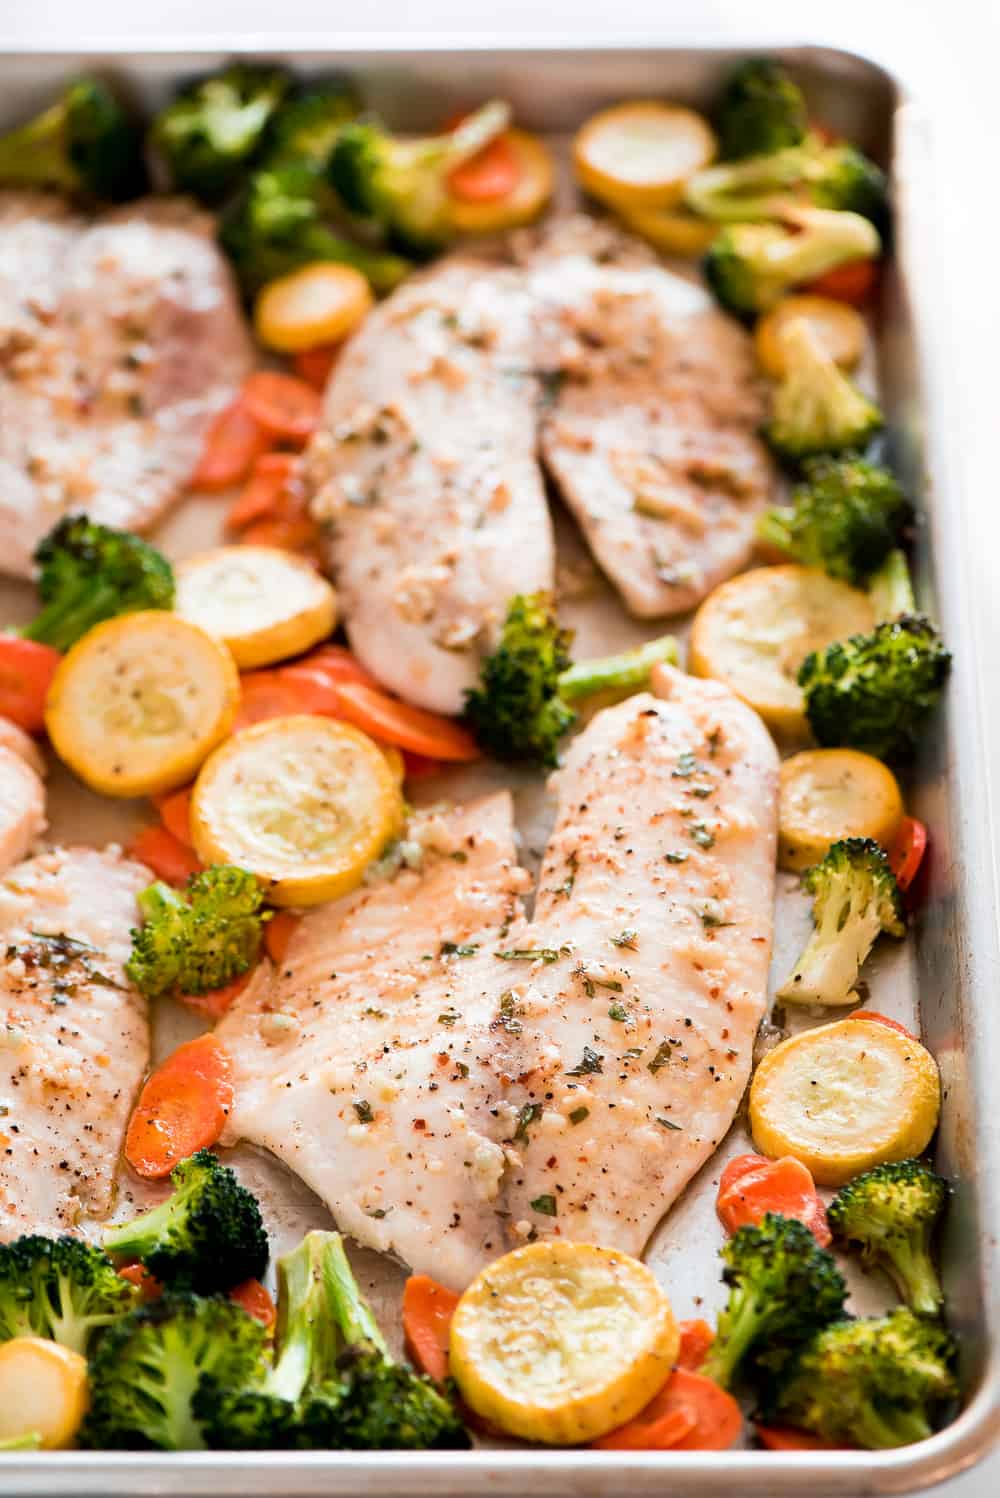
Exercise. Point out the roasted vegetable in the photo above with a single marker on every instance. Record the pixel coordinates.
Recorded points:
(638, 155)
(61, 1288)
(759, 188)
(305, 128)
(749, 267)
(198, 940)
(827, 794)
(889, 1215)
(207, 1236)
(840, 329)
(816, 408)
(84, 143)
(209, 134)
(761, 110)
(43, 1394)
(845, 516)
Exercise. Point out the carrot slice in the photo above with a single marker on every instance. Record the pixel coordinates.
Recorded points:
(738, 1166)
(785, 1438)
(907, 851)
(233, 443)
(427, 1311)
(784, 1186)
(419, 766)
(690, 1413)
(338, 664)
(283, 694)
(394, 722)
(883, 1019)
(696, 1339)
(278, 933)
(263, 492)
(175, 813)
(319, 693)
(287, 408)
(299, 535)
(137, 1274)
(315, 365)
(853, 283)
(26, 672)
(170, 860)
(492, 173)
(215, 1003)
(255, 1299)
(182, 1108)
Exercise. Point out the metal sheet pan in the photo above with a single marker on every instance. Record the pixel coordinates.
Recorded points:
(949, 969)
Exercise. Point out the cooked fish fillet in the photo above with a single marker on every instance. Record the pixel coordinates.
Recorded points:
(120, 338)
(74, 1036)
(22, 807)
(423, 1057)
(428, 481)
(14, 738)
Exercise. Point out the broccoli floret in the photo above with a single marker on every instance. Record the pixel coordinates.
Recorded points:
(616, 676)
(198, 940)
(89, 572)
(762, 188)
(30, 1442)
(207, 1236)
(402, 185)
(283, 219)
(816, 408)
(60, 1288)
(214, 127)
(855, 899)
(889, 1214)
(845, 517)
(146, 1370)
(782, 1288)
(749, 267)
(305, 128)
(85, 143)
(842, 177)
(875, 1383)
(761, 110)
(516, 712)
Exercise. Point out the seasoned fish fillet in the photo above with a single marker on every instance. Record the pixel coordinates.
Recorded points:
(74, 1037)
(428, 481)
(452, 1078)
(22, 806)
(120, 338)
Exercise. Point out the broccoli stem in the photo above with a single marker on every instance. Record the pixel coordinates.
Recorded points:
(773, 528)
(739, 1326)
(891, 589)
(63, 621)
(350, 1311)
(29, 1442)
(627, 671)
(136, 1239)
(34, 153)
(908, 1263)
(884, 1430)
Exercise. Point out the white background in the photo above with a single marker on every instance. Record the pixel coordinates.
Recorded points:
(949, 51)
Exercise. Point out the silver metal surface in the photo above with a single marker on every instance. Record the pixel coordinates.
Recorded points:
(951, 965)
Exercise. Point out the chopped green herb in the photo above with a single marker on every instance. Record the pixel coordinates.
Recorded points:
(528, 1115)
(701, 791)
(632, 1052)
(461, 1068)
(702, 835)
(589, 1063)
(459, 856)
(627, 939)
(458, 949)
(592, 984)
(507, 1019)
(677, 857)
(661, 1058)
(364, 1110)
(714, 740)
(712, 920)
(544, 1204)
(449, 1017)
(375, 1013)
(529, 954)
(618, 1012)
(378, 1212)
(566, 888)
(578, 1115)
(667, 1123)
(687, 763)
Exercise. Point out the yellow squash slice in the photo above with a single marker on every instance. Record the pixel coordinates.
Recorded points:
(562, 1342)
(828, 794)
(839, 328)
(43, 1391)
(139, 702)
(844, 1097)
(320, 303)
(305, 803)
(754, 632)
(520, 206)
(264, 603)
(640, 155)
(672, 230)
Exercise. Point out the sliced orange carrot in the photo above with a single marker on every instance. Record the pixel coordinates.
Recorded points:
(299, 535)
(175, 813)
(427, 1311)
(263, 493)
(337, 663)
(26, 672)
(784, 1186)
(282, 694)
(696, 1339)
(234, 442)
(785, 1438)
(170, 860)
(215, 1003)
(853, 283)
(690, 1413)
(419, 766)
(883, 1019)
(255, 1299)
(278, 933)
(492, 173)
(315, 365)
(907, 851)
(738, 1166)
(287, 408)
(137, 1274)
(319, 693)
(182, 1108)
(393, 722)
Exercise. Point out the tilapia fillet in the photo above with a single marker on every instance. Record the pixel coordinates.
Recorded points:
(74, 1036)
(453, 1079)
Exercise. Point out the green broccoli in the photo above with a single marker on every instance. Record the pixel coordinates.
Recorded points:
(875, 1383)
(89, 572)
(85, 143)
(890, 1214)
(211, 132)
(855, 899)
(845, 517)
(305, 128)
(198, 940)
(816, 408)
(782, 1288)
(749, 267)
(30, 1442)
(60, 1288)
(146, 1370)
(285, 218)
(761, 188)
(207, 1236)
(402, 185)
(761, 110)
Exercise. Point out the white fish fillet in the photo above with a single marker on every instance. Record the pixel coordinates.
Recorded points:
(22, 807)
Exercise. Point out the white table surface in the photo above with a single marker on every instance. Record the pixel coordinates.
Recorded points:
(947, 51)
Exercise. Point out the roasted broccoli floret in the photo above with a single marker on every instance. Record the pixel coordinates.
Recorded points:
(889, 1215)
(761, 188)
(283, 219)
(402, 185)
(782, 1288)
(207, 1236)
(146, 1369)
(305, 128)
(855, 899)
(615, 676)
(85, 143)
(200, 939)
(209, 134)
(60, 1288)
(89, 572)
(761, 110)
(875, 1383)
(816, 408)
(845, 517)
(749, 267)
